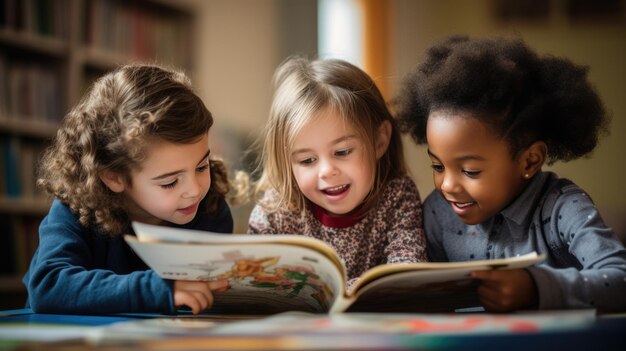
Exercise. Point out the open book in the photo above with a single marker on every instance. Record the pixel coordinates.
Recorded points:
(276, 273)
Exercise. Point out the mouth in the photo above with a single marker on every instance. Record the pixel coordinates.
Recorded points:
(463, 204)
(336, 190)
(460, 206)
(189, 209)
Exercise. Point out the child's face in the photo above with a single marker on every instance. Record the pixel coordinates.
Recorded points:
(330, 163)
(472, 168)
(172, 181)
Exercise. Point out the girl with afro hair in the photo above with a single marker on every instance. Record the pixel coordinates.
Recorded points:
(492, 112)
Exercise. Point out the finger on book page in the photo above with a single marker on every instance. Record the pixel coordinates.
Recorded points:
(218, 285)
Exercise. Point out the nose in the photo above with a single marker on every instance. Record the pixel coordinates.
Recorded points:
(194, 187)
(327, 169)
(449, 183)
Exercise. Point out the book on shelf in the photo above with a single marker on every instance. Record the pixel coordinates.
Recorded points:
(18, 162)
(269, 274)
(18, 242)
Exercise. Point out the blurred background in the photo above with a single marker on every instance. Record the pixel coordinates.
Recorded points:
(51, 50)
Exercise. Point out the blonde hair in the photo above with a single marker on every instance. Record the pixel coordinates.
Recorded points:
(302, 89)
(108, 131)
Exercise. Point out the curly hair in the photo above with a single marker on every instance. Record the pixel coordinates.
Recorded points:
(521, 96)
(108, 130)
(305, 87)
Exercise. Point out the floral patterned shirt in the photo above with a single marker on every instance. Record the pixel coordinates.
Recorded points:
(391, 232)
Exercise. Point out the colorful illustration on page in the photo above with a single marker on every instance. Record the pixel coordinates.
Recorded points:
(246, 271)
(264, 273)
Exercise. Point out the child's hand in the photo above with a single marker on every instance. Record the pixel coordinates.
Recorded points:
(197, 295)
(506, 290)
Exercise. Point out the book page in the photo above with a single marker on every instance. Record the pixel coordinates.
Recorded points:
(149, 232)
(502, 263)
(263, 278)
(428, 291)
(427, 287)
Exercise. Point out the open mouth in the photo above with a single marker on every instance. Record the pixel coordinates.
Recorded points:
(463, 204)
(336, 190)
(461, 207)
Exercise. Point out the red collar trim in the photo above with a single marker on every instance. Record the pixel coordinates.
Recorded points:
(343, 221)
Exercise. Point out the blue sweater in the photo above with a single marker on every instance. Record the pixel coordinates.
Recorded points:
(78, 270)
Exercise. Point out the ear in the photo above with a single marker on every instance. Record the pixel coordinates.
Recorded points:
(113, 180)
(533, 158)
(383, 136)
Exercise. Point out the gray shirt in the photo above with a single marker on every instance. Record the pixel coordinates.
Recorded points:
(585, 264)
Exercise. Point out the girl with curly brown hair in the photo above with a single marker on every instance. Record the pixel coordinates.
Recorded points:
(492, 112)
(136, 148)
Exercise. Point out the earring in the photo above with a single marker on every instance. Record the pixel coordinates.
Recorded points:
(526, 175)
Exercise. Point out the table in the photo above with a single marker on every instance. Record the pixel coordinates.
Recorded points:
(553, 330)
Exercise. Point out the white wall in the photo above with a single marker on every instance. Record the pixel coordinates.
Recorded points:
(239, 44)
(236, 47)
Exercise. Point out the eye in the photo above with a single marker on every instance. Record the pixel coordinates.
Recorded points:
(343, 153)
(472, 174)
(202, 168)
(437, 168)
(169, 185)
(307, 161)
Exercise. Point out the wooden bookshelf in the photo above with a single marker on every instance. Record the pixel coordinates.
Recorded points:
(50, 52)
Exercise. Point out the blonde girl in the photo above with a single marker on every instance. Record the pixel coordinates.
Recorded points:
(333, 167)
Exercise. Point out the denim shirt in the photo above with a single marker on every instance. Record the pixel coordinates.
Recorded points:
(585, 264)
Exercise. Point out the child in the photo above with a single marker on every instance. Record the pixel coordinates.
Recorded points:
(136, 148)
(492, 113)
(333, 168)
